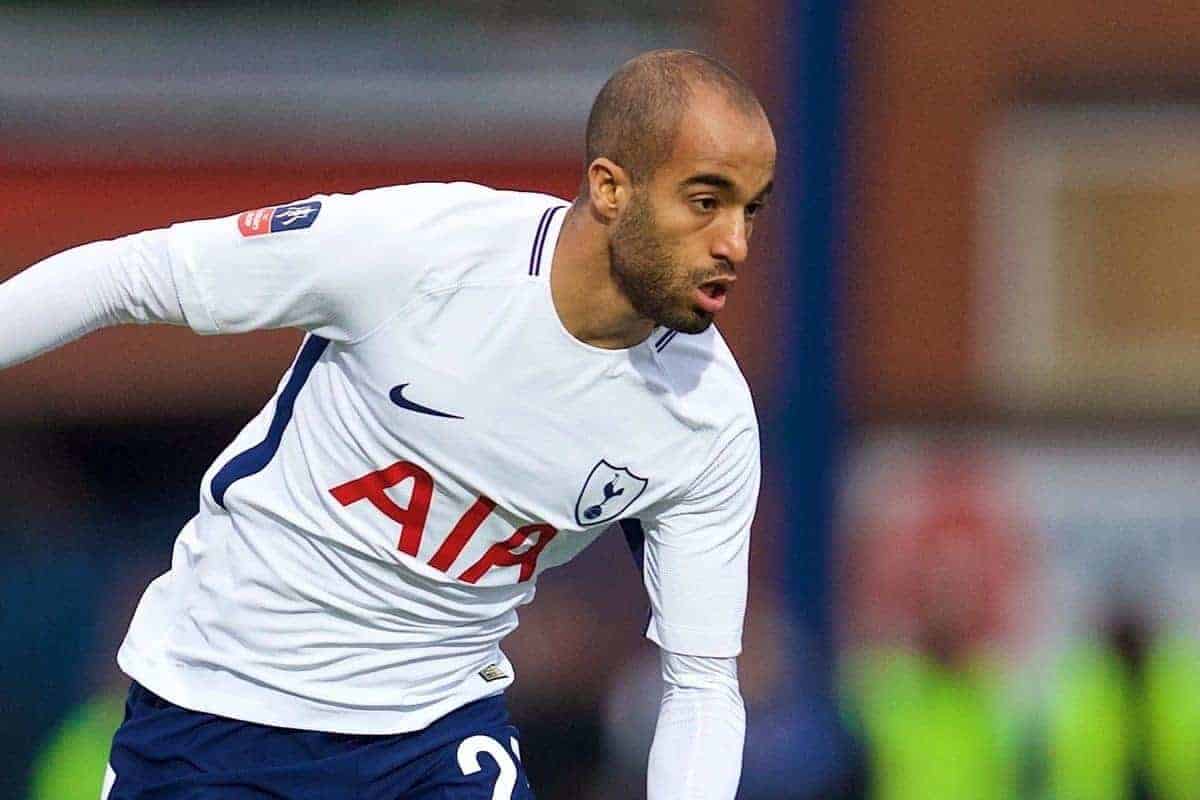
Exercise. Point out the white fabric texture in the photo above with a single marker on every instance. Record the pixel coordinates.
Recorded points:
(697, 748)
(704, 618)
(73, 293)
(362, 259)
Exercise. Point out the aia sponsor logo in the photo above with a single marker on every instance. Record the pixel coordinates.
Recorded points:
(277, 219)
(521, 549)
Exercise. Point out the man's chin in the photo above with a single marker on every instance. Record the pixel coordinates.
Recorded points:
(692, 322)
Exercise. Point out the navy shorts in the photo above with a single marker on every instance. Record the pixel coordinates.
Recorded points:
(164, 752)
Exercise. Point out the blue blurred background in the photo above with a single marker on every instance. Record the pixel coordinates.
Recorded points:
(969, 323)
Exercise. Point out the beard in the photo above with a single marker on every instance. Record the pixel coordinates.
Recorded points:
(658, 287)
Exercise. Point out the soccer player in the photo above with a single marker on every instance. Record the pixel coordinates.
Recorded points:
(490, 380)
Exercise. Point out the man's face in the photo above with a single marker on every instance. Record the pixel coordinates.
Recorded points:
(677, 244)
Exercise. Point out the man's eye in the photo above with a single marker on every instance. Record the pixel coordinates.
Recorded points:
(705, 203)
(753, 209)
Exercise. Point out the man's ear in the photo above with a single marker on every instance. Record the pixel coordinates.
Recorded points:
(609, 188)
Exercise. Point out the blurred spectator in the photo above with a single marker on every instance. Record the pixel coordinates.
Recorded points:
(1172, 704)
(71, 764)
(1122, 720)
(932, 573)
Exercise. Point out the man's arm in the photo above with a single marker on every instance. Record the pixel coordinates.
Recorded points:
(697, 749)
(695, 564)
(84, 289)
(355, 261)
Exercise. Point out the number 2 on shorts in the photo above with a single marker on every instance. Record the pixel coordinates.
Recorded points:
(468, 762)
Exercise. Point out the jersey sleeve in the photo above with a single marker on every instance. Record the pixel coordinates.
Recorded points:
(333, 265)
(696, 556)
(701, 730)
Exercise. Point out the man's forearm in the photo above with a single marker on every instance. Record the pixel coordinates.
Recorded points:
(697, 749)
(83, 289)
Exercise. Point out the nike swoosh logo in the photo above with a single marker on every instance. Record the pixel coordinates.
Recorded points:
(397, 395)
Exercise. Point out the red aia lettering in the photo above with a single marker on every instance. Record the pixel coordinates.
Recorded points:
(505, 555)
(462, 533)
(373, 487)
(513, 551)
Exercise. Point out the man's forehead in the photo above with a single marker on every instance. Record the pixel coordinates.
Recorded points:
(715, 138)
(743, 173)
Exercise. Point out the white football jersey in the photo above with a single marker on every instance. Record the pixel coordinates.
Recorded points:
(364, 543)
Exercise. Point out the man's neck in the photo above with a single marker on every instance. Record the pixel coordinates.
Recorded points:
(587, 298)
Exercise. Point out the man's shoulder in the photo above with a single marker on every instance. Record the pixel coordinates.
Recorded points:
(464, 231)
(707, 378)
(444, 202)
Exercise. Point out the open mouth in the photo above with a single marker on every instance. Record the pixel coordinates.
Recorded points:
(710, 296)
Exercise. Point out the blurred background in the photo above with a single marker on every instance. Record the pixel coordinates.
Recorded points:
(970, 325)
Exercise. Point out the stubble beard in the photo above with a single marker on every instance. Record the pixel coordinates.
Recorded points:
(657, 286)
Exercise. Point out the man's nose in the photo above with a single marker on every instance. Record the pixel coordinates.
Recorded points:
(733, 244)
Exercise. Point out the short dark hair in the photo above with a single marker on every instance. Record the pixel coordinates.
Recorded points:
(636, 115)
